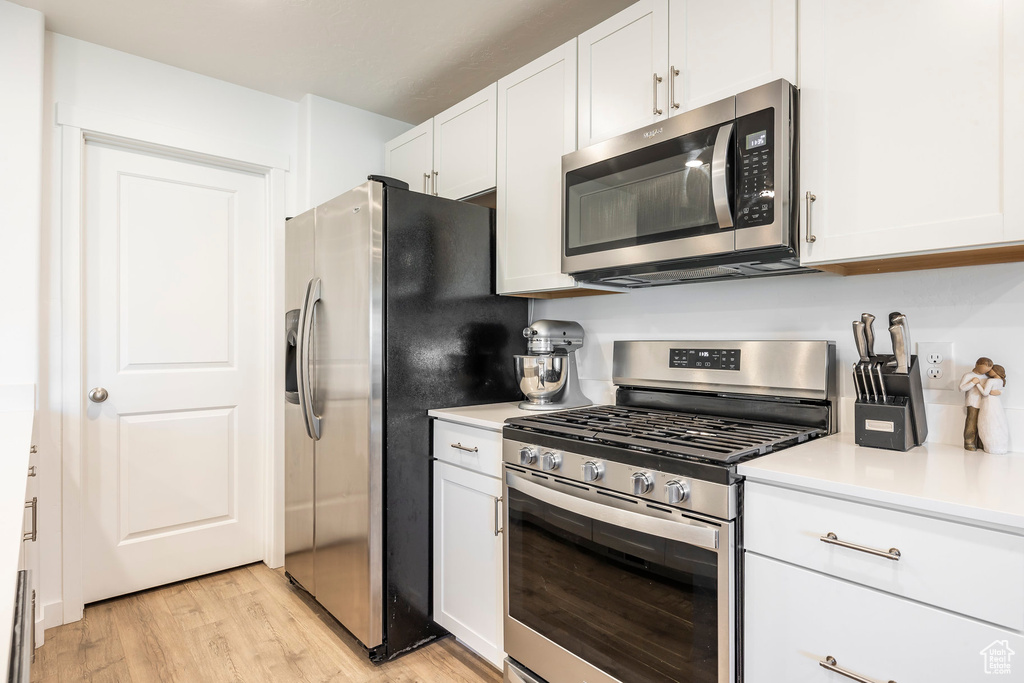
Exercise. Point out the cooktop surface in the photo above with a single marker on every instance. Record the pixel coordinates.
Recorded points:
(687, 435)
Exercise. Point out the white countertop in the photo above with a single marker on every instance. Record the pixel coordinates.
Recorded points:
(936, 479)
(16, 416)
(491, 416)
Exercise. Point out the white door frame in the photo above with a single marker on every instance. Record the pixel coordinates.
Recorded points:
(78, 125)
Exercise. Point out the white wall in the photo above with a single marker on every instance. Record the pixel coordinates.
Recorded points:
(339, 146)
(21, 107)
(980, 309)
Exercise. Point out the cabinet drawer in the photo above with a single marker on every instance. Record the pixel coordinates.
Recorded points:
(454, 443)
(795, 618)
(958, 567)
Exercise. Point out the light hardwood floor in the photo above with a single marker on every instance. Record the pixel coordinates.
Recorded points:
(245, 624)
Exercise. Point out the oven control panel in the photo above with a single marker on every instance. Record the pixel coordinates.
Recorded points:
(704, 359)
(755, 172)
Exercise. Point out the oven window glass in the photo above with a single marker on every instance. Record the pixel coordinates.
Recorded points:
(658, 193)
(640, 608)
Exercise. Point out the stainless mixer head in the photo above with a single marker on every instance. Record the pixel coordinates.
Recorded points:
(547, 336)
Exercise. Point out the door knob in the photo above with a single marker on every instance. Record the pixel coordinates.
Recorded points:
(98, 395)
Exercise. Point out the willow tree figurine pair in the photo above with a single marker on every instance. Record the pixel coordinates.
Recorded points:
(986, 425)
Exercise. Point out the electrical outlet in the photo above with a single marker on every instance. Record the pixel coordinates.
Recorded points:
(937, 365)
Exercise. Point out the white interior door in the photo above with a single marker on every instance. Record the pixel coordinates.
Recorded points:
(174, 333)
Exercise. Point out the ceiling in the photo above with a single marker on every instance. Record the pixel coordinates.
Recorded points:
(405, 59)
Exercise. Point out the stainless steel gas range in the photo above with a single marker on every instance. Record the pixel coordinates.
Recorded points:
(623, 536)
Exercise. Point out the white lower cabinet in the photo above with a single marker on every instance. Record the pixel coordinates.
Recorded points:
(872, 592)
(468, 558)
(796, 619)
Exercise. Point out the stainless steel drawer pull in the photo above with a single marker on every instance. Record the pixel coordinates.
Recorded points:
(426, 179)
(32, 470)
(460, 447)
(890, 554)
(34, 506)
(831, 664)
(810, 199)
(657, 80)
(497, 516)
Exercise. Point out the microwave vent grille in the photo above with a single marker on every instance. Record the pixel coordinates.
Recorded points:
(689, 274)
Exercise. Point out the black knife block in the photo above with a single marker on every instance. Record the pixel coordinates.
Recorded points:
(900, 422)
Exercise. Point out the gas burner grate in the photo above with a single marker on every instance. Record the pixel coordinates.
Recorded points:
(689, 435)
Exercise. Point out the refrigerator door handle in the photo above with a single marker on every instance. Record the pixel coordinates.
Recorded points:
(306, 316)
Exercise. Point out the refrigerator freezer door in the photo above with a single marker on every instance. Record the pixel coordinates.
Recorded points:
(347, 343)
(298, 447)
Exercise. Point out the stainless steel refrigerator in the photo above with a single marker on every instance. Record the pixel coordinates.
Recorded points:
(390, 312)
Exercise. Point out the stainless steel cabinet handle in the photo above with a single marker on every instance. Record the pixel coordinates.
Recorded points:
(459, 446)
(426, 179)
(497, 516)
(34, 506)
(32, 449)
(98, 395)
(830, 664)
(657, 80)
(672, 73)
(433, 183)
(809, 199)
(890, 554)
(32, 471)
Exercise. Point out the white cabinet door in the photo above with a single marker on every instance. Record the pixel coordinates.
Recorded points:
(464, 146)
(536, 126)
(908, 126)
(467, 559)
(410, 157)
(794, 619)
(718, 48)
(620, 62)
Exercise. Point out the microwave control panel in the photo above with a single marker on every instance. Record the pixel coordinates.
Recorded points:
(755, 172)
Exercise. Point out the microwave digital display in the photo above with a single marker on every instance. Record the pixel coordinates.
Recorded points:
(757, 139)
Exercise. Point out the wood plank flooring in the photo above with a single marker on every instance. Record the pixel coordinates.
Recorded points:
(244, 625)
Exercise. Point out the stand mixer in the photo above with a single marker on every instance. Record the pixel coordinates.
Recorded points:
(547, 375)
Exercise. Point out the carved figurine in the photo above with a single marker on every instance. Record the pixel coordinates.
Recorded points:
(993, 430)
(970, 384)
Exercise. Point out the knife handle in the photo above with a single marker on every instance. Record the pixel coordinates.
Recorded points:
(860, 339)
(869, 331)
(899, 347)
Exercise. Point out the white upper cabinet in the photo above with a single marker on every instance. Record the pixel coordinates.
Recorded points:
(464, 146)
(623, 64)
(409, 157)
(718, 48)
(536, 126)
(452, 154)
(908, 120)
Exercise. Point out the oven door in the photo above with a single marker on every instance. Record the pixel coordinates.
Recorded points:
(602, 588)
(652, 195)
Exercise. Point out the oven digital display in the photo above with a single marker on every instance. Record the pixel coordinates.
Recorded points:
(705, 359)
(758, 139)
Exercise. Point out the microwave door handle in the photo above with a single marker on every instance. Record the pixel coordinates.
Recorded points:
(719, 177)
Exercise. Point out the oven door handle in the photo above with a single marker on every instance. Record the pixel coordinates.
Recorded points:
(720, 178)
(684, 530)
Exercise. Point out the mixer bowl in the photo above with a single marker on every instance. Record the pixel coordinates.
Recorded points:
(541, 378)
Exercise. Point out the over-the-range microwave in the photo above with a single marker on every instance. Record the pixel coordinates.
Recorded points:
(706, 194)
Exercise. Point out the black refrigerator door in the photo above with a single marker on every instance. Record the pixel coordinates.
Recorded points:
(449, 341)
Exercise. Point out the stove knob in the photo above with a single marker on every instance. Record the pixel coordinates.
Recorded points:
(592, 470)
(677, 492)
(642, 484)
(550, 461)
(527, 456)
